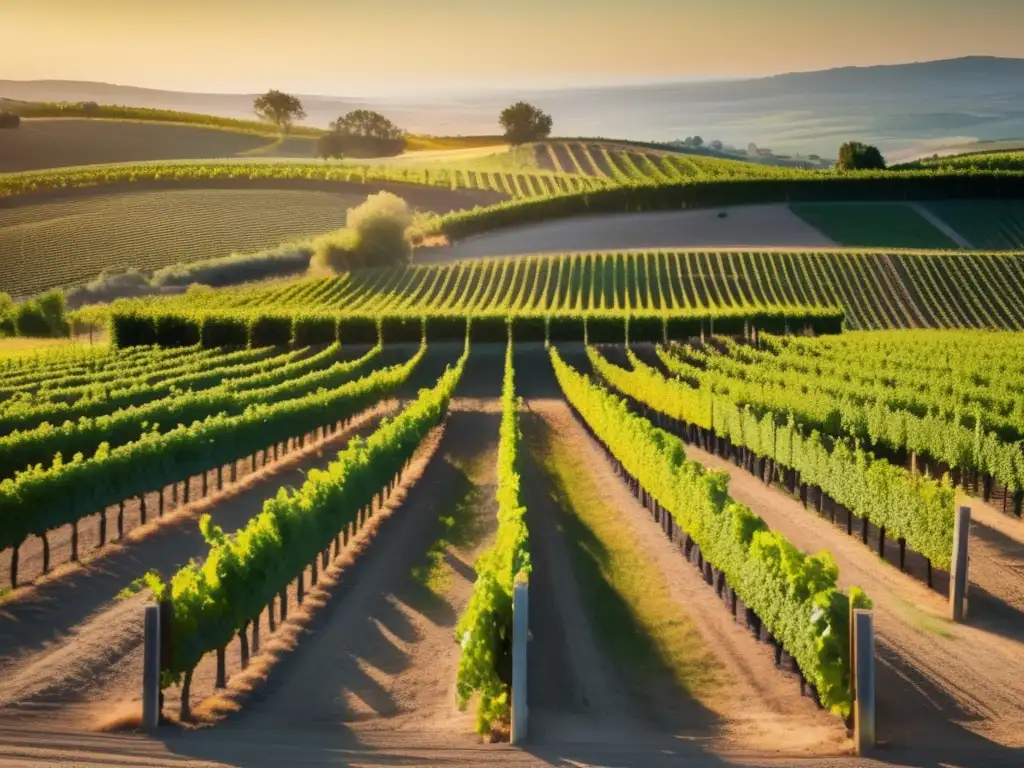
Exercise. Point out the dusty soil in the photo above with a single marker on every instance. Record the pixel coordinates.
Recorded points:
(758, 707)
(939, 683)
(756, 226)
(69, 645)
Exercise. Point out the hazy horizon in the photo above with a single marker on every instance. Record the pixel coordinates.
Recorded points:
(398, 47)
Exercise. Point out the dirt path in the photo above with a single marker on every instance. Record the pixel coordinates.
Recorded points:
(69, 642)
(755, 705)
(939, 683)
(381, 658)
(753, 226)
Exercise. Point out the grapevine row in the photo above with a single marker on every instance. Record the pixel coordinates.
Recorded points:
(244, 573)
(42, 499)
(794, 594)
(485, 629)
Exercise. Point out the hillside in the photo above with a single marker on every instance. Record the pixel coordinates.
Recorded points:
(900, 289)
(940, 103)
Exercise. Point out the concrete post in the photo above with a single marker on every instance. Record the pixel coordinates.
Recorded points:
(864, 670)
(151, 670)
(520, 638)
(958, 573)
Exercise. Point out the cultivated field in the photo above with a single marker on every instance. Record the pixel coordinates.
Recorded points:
(620, 164)
(333, 611)
(897, 289)
(63, 142)
(78, 234)
(698, 438)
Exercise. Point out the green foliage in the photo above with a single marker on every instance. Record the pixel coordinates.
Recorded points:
(43, 316)
(794, 594)
(44, 497)
(243, 572)
(855, 156)
(484, 631)
(909, 507)
(524, 122)
(280, 109)
(8, 316)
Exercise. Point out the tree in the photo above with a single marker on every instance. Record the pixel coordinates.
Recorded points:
(524, 122)
(362, 133)
(716, 145)
(363, 122)
(278, 108)
(697, 141)
(856, 156)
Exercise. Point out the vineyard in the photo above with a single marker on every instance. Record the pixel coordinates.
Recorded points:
(623, 165)
(327, 500)
(524, 184)
(129, 449)
(900, 289)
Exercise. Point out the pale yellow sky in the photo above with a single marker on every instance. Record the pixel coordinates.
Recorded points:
(358, 47)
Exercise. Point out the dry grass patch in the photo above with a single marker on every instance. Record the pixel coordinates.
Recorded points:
(630, 606)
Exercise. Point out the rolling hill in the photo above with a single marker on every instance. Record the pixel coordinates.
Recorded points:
(941, 103)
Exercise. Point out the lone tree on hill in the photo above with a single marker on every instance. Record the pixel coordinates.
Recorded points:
(855, 156)
(524, 122)
(279, 108)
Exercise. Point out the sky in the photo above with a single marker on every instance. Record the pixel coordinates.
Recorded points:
(382, 47)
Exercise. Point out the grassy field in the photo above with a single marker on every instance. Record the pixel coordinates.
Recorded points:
(997, 224)
(873, 225)
(899, 289)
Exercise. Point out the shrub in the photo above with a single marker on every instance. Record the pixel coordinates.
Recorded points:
(529, 328)
(606, 329)
(108, 286)
(489, 328)
(356, 329)
(565, 328)
(395, 329)
(224, 331)
(378, 229)
(267, 330)
(9, 120)
(311, 330)
(42, 316)
(238, 268)
(446, 327)
(645, 328)
(131, 328)
(331, 254)
(8, 313)
(177, 331)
